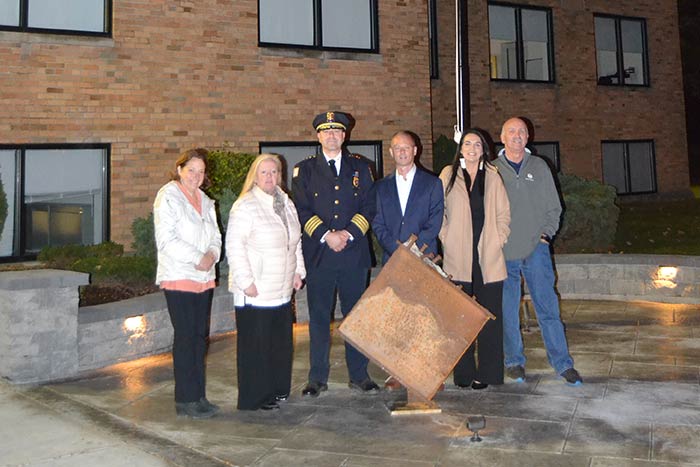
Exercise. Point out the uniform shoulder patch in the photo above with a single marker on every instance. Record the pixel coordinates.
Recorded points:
(296, 172)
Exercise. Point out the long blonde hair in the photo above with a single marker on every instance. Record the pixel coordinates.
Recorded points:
(252, 172)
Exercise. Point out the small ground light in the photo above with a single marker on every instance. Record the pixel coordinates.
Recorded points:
(474, 424)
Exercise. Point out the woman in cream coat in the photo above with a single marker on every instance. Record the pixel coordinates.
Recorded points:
(474, 230)
(263, 244)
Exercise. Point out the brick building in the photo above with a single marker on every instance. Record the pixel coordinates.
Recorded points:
(99, 96)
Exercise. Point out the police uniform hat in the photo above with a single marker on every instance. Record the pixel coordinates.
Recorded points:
(331, 120)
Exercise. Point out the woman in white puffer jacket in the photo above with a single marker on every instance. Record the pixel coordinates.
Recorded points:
(263, 244)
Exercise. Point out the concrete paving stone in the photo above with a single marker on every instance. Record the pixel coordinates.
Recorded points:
(656, 330)
(618, 438)
(591, 365)
(600, 306)
(554, 385)
(660, 393)
(597, 461)
(647, 372)
(584, 340)
(688, 316)
(676, 443)
(517, 434)
(294, 458)
(111, 456)
(475, 456)
(490, 403)
(628, 409)
(368, 432)
(676, 346)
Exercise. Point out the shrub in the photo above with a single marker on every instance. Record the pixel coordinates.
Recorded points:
(227, 170)
(590, 216)
(64, 257)
(444, 150)
(143, 232)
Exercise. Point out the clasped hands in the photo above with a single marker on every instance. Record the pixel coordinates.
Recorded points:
(206, 262)
(337, 240)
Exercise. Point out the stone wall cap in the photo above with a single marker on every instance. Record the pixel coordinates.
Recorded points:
(655, 260)
(42, 279)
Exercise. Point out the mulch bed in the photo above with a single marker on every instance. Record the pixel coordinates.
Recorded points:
(99, 294)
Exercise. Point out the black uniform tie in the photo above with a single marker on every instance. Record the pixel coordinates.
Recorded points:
(334, 171)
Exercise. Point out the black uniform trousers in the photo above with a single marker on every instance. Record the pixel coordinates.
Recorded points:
(489, 342)
(264, 354)
(189, 314)
(321, 284)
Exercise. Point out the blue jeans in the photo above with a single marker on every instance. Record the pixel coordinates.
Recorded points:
(539, 276)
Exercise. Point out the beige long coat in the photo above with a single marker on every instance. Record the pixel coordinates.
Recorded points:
(456, 232)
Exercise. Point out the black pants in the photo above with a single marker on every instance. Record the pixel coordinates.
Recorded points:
(321, 284)
(264, 354)
(489, 342)
(189, 313)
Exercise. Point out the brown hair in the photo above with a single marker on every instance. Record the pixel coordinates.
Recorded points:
(185, 157)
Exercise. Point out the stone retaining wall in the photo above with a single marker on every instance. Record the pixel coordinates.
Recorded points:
(44, 336)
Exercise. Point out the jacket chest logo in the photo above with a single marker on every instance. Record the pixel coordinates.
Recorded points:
(529, 177)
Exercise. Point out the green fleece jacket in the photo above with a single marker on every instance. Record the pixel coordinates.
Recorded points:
(535, 208)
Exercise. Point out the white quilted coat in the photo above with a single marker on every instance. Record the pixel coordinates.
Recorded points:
(261, 250)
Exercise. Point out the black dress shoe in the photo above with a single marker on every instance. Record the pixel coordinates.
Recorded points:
(478, 385)
(270, 406)
(281, 397)
(314, 389)
(193, 410)
(366, 387)
(204, 404)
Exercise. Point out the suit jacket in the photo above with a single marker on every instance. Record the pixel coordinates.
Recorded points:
(423, 216)
(326, 203)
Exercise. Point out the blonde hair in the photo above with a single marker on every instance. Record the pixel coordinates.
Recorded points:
(252, 172)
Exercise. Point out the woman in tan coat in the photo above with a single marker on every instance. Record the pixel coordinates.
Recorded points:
(474, 230)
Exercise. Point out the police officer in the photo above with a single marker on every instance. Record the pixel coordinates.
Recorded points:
(334, 196)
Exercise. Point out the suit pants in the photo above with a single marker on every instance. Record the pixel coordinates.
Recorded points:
(189, 314)
(321, 285)
(264, 354)
(488, 365)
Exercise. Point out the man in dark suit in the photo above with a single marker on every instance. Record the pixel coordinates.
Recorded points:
(334, 196)
(410, 201)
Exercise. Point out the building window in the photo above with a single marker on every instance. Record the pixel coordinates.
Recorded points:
(521, 43)
(433, 37)
(629, 166)
(292, 153)
(319, 24)
(546, 150)
(91, 17)
(621, 51)
(55, 196)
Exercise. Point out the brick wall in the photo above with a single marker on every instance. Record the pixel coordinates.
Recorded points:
(576, 111)
(180, 74)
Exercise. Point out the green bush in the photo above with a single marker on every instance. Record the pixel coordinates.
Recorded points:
(143, 232)
(444, 150)
(590, 216)
(64, 257)
(3, 207)
(227, 170)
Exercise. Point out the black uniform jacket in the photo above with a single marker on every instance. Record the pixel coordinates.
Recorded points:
(326, 203)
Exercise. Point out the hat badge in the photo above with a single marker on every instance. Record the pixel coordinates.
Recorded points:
(330, 116)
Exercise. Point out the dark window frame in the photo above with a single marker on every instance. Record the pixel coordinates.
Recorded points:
(619, 51)
(433, 38)
(378, 162)
(318, 36)
(24, 23)
(520, 66)
(626, 164)
(19, 251)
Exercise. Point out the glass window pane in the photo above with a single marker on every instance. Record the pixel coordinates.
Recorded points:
(65, 207)
(9, 12)
(606, 51)
(614, 166)
(77, 15)
(7, 179)
(291, 155)
(633, 51)
(548, 151)
(287, 21)
(641, 167)
(502, 42)
(536, 44)
(346, 23)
